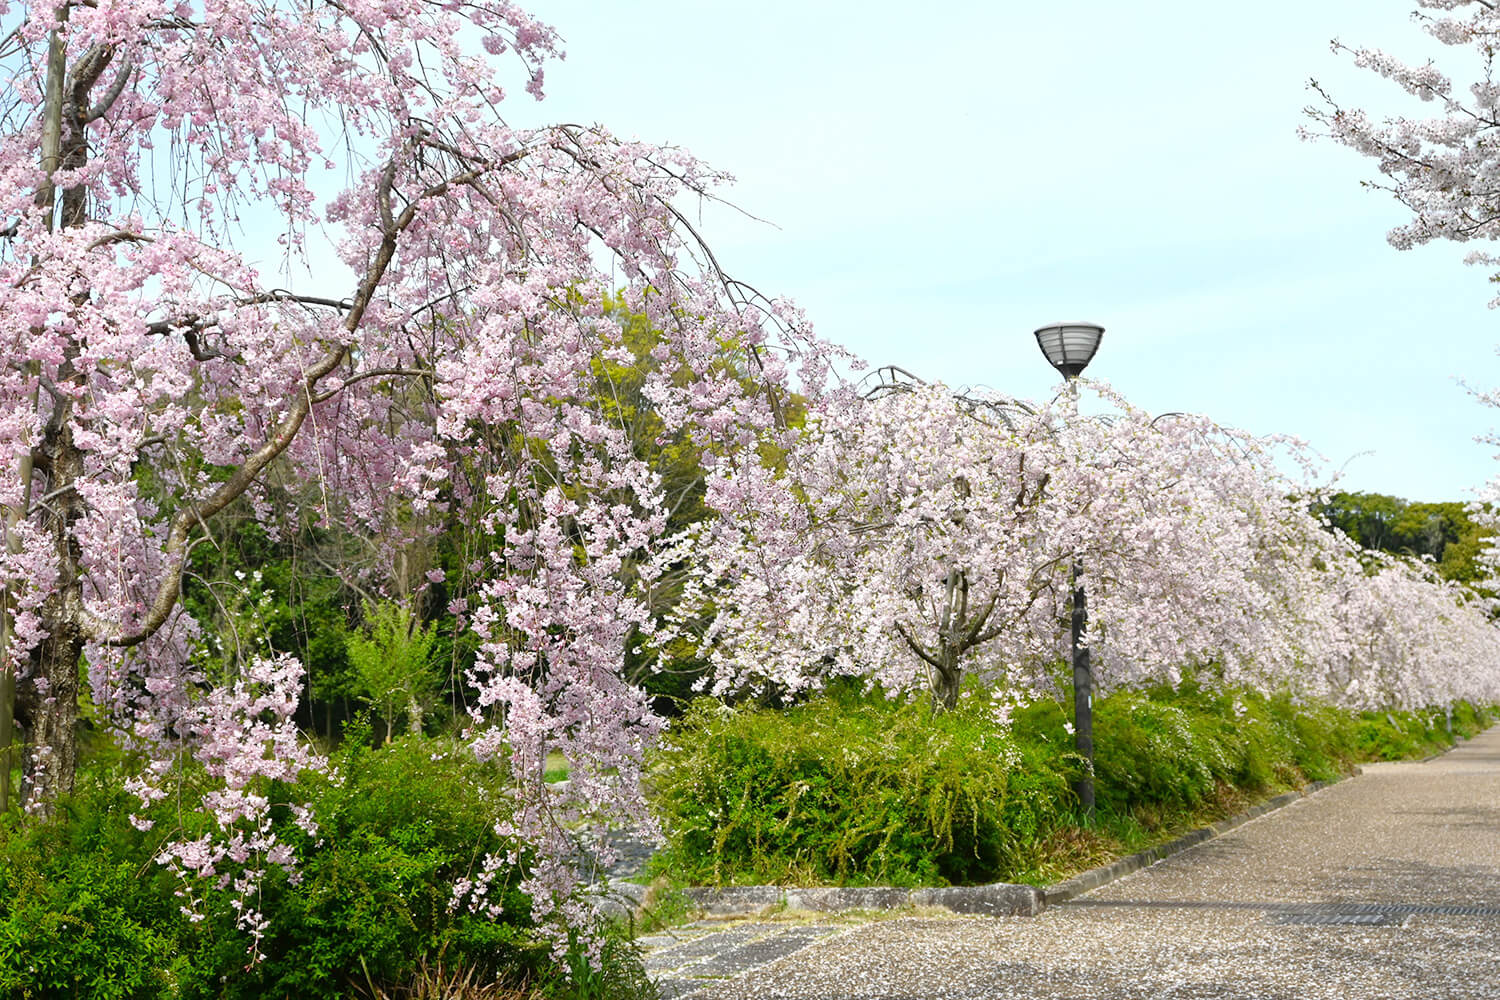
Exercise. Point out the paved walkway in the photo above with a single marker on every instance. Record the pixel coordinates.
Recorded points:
(1382, 886)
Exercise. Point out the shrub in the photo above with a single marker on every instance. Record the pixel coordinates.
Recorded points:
(863, 789)
(1178, 749)
(851, 789)
(86, 912)
(396, 830)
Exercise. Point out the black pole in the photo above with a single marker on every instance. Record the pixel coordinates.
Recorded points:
(1083, 697)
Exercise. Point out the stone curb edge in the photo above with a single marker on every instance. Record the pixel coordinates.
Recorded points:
(996, 899)
(1000, 899)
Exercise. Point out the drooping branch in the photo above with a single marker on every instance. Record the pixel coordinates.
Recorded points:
(179, 536)
(374, 373)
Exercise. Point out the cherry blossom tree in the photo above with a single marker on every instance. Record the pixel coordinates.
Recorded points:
(154, 372)
(1445, 168)
(921, 537)
(1441, 167)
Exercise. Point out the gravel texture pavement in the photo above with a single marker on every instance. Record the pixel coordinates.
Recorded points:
(1382, 886)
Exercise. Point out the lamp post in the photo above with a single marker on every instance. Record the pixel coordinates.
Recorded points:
(1069, 347)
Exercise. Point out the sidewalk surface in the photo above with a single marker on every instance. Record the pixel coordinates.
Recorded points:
(1382, 886)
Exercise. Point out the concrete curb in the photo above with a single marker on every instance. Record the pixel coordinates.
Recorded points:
(996, 899)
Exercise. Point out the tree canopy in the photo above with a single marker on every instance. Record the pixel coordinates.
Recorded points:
(456, 371)
(1451, 534)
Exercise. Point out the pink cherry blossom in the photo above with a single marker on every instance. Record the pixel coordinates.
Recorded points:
(459, 371)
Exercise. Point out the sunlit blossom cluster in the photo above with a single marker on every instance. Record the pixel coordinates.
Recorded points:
(1440, 166)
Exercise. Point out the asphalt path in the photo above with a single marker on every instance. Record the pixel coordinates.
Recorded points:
(1382, 886)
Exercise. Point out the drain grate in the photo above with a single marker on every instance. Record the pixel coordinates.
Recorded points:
(1362, 913)
(1318, 919)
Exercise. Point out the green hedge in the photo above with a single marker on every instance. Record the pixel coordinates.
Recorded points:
(860, 789)
(851, 790)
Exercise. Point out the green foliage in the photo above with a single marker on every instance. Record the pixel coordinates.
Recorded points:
(857, 789)
(392, 660)
(401, 826)
(1444, 532)
(1177, 749)
(86, 912)
(254, 594)
(852, 790)
(1404, 735)
(616, 972)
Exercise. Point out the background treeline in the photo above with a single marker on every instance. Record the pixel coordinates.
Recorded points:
(1445, 532)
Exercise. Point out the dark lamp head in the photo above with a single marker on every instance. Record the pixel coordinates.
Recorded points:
(1070, 346)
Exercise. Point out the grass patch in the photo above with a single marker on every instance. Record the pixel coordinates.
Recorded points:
(555, 767)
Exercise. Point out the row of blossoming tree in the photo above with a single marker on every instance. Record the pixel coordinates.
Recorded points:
(923, 536)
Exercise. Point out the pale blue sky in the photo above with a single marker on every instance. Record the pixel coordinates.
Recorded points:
(942, 178)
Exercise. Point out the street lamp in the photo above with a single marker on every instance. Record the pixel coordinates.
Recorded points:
(1069, 347)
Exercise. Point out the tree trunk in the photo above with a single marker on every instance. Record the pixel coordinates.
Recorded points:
(945, 685)
(7, 714)
(951, 626)
(54, 680)
(51, 151)
(55, 723)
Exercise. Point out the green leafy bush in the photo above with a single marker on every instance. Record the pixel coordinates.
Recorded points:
(395, 832)
(863, 789)
(392, 659)
(1177, 749)
(848, 789)
(86, 912)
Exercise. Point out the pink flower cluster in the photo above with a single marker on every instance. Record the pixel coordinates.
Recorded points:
(1441, 167)
(242, 738)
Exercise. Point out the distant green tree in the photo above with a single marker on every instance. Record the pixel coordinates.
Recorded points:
(392, 657)
(1445, 532)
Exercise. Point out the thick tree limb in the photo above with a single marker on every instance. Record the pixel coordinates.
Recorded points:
(916, 647)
